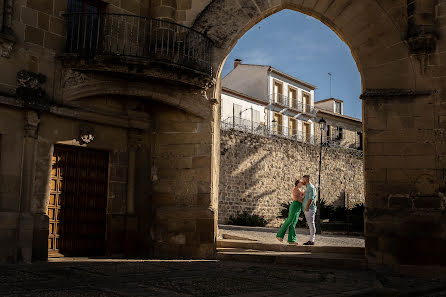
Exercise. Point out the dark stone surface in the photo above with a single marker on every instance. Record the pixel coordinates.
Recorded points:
(87, 277)
(40, 237)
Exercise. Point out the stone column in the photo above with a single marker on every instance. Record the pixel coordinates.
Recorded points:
(40, 198)
(26, 220)
(404, 219)
(134, 142)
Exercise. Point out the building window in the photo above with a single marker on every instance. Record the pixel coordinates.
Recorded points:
(292, 127)
(360, 141)
(84, 30)
(328, 133)
(340, 133)
(306, 102)
(338, 107)
(237, 113)
(292, 96)
(256, 116)
(278, 93)
(277, 124)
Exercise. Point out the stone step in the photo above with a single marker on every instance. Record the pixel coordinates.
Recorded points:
(323, 260)
(284, 247)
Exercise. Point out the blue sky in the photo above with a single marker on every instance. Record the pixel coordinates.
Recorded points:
(307, 49)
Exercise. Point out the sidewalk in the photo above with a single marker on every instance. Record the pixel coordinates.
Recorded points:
(268, 235)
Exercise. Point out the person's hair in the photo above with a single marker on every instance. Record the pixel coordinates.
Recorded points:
(307, 177)
(297, 182)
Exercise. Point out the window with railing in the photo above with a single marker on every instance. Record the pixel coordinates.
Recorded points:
(340, 134)
(292, 98)
(306, 102)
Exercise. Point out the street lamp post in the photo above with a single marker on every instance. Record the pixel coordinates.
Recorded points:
(322, 124)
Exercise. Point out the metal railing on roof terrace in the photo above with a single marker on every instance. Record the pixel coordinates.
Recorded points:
(92, 34)
(245, 125)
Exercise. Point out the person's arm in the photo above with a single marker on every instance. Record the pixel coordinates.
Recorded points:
(307, 207)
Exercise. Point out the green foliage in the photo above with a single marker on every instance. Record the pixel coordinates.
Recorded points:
(338, 214)
(327, 211)
(247, 219)
(358, 210)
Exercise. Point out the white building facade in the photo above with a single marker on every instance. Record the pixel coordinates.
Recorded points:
(281, 103)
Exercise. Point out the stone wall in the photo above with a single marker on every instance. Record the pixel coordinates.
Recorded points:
(257, 174)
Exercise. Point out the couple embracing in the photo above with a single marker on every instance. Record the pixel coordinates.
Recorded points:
(305, 200)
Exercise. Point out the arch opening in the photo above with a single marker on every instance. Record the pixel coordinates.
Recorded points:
(270, 128)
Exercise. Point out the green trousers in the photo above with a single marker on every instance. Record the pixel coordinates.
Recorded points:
(291, 221)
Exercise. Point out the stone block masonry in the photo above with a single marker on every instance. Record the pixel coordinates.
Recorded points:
(258, 173)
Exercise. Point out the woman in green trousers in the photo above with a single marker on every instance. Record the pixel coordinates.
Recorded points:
(293, 215)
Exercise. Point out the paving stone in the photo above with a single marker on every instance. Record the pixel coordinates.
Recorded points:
(113, 277)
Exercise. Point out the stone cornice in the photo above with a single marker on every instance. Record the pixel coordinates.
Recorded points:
(386, 93)
(83, 114)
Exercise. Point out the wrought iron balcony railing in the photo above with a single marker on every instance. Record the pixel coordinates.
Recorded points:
(89, 35)
(290, 103)
(278, 99)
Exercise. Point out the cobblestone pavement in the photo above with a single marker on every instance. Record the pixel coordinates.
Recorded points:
(268, 235)
(86, 277)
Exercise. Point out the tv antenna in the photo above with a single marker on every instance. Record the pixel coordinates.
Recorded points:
(330, 77)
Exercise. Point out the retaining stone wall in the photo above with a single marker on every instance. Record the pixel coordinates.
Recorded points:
(257, 174)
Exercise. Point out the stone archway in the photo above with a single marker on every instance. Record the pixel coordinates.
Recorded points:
(401, 125)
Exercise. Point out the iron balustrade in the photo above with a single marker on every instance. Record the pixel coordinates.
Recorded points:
(279, 99)
(307, 109)
(92, 34)
(246, 125)
(291, 103)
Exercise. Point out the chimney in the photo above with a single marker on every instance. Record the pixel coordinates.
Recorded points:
(237, 62)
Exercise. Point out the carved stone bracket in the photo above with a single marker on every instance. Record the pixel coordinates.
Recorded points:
(385, 93)
(30, 90)
(86, 134)
(422, 32)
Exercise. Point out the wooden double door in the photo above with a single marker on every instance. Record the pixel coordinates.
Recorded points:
(78, 202)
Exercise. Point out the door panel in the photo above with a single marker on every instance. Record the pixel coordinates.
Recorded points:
(77, 204)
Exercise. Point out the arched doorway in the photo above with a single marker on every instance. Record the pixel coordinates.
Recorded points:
(395, 90)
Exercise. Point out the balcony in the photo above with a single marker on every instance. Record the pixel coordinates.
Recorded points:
(292, 105)
(119, 35)
(278, 99)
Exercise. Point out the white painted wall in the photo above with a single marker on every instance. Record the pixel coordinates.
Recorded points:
(228, 101)
(329, 106)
